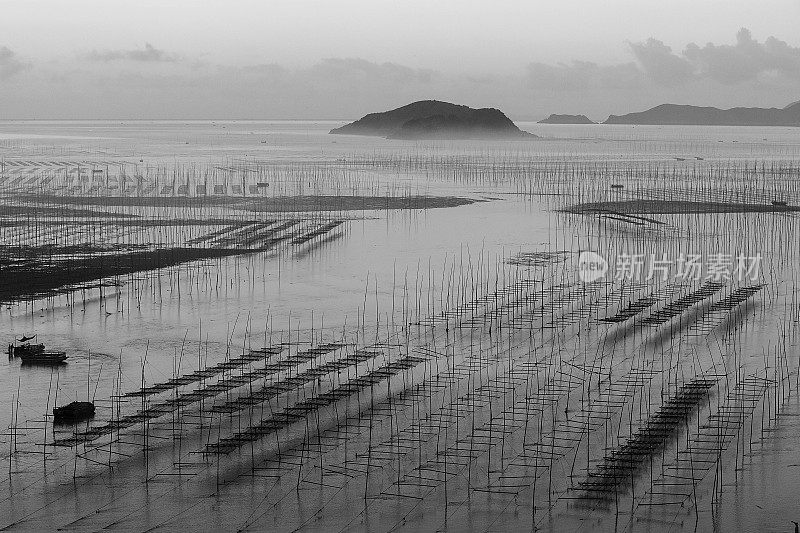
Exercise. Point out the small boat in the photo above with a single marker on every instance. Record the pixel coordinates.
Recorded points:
(44, 358)
(73, 412)
(36, 354)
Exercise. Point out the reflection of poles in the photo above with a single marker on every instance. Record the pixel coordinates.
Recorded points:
(146, 421)
(203, 380)
(16, 413)
(46, 411)
(11, 435)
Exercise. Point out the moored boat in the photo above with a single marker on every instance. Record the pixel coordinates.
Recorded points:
(36, 354)
(43, 358)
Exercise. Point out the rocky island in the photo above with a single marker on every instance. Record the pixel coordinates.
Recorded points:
(432, 119)
(688, 115)
(567, 119)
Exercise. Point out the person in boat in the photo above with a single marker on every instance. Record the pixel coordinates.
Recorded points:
(28, 349)
(25, 346)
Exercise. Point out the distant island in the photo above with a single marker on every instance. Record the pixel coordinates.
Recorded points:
(432, 119)
(567, 119)
(679, 115)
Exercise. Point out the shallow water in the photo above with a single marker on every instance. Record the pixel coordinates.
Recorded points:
(380, 275)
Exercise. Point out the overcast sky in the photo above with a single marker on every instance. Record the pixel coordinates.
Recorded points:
(342, 59)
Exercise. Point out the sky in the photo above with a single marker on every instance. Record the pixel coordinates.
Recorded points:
(342, 59)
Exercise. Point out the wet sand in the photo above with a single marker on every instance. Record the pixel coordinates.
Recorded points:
(272, 204)
(676, 207)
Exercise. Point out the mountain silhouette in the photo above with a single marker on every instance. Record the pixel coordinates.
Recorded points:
(432, 119)
(673, 114)
(566, 119)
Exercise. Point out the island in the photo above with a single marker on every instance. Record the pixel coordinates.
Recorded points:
(432, 119)
(567, 119)
(688, 115)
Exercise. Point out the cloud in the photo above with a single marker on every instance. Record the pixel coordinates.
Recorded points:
(332, 88)
(729, 64)
(745, 61)
(152, 83)
(660, 64)
(360, 69)
(581, 76)
(148, 54)
(745, 73)
(9, 64)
